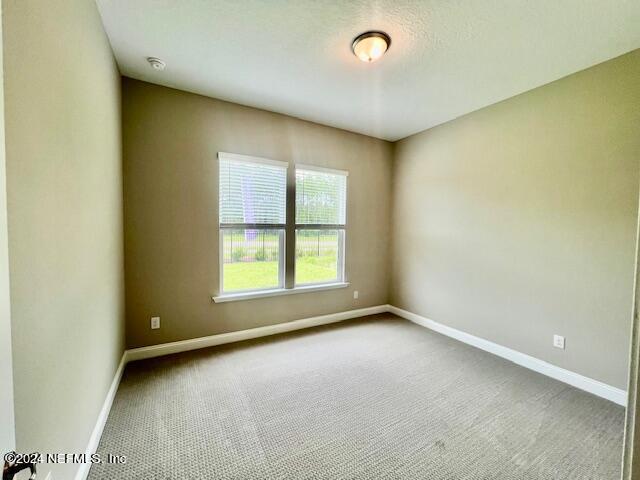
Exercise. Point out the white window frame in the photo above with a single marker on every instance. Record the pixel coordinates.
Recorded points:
(340, 228)
(251, 226)
(341, 247)
(284, 268)
(281, 255)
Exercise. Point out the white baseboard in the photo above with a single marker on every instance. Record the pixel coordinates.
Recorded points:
(590, 385)
(94, 440)
(222, 338)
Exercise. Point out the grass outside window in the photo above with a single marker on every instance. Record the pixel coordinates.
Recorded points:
(251, 259)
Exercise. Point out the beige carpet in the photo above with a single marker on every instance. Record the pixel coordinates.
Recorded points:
(377, 398)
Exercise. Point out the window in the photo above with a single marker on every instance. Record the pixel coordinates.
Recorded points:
(252, 221)
(253, 226)
(320, 225)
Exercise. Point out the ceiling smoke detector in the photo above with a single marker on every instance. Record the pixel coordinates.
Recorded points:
(156, 63)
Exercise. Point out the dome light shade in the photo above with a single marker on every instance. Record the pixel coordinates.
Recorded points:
(370, 46)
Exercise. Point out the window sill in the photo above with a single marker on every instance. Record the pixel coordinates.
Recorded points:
(234, 297)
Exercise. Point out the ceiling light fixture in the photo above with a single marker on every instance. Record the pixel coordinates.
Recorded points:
(370, 46)
(156, 63)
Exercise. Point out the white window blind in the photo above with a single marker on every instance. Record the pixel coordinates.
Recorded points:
(320, 196)
(252, 191)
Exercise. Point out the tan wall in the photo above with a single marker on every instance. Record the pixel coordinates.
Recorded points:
(517, 222)
(64, 183)
(171, 139)
(7, 433)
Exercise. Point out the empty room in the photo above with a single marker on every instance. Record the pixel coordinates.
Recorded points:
(319, 239)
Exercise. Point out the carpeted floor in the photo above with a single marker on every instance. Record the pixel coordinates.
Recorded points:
(376, 398)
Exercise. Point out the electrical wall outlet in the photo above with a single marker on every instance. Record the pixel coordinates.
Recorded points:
(355, 294)
(155, 322)
(558, 341)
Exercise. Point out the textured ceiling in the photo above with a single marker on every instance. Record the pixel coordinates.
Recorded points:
(447, 58)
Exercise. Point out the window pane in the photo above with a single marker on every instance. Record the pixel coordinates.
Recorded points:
(320, 197)
(251, 259)
(318, 257)
(252, 192)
